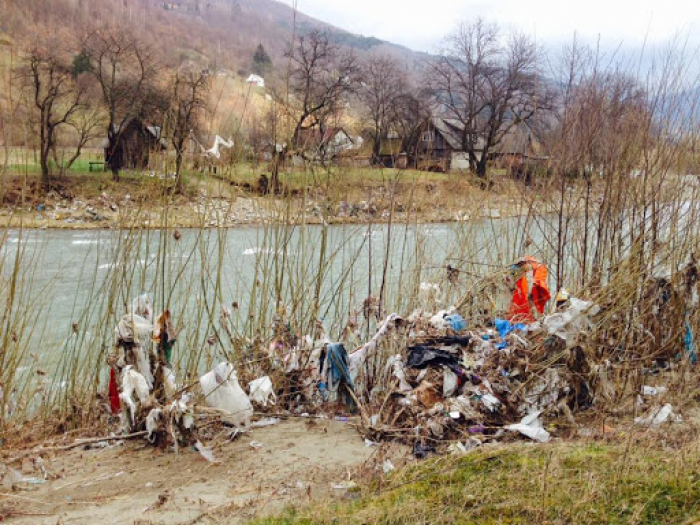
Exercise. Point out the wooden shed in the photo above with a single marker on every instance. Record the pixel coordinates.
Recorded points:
(136, 141)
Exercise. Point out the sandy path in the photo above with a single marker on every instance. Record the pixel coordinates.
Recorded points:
(137, 484)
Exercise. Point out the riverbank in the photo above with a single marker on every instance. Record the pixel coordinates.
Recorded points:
(129, 482)
(94, 201)
(321, 471)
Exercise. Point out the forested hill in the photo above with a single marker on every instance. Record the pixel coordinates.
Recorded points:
(219, 33)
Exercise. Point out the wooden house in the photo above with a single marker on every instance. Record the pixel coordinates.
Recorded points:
(439, 146)
(135, 143)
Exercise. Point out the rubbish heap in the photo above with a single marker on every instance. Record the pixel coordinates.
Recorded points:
(426, 379)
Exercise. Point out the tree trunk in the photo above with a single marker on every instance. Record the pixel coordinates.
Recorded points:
(481, 167)
(45, 150)
(45, 171)
(376, 148)
(111, 150)
(178, 170)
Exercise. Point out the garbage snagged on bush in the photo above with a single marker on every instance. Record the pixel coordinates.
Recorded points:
(457, 376)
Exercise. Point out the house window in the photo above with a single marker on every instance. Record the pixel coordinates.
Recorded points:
(428, 136)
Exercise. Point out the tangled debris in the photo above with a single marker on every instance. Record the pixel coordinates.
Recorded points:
(449, 380)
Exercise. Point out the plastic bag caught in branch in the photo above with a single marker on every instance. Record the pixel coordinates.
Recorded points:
(222, 390)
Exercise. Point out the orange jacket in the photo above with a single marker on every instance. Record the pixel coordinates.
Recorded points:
(520, 306)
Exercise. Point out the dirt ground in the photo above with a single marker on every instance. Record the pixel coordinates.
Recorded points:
(134, 483)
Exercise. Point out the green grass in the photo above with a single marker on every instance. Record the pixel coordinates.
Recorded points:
(527, 484)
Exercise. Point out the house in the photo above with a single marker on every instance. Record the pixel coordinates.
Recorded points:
(136, 141)
(521, 154)
(329, 143)
(256, 80)
(439, 145)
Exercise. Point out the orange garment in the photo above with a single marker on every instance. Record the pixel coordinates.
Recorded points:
(520, 311)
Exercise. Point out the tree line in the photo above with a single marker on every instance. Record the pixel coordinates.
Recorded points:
(491, 82)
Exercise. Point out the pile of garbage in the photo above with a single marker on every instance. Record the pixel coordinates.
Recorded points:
(144, 394)
(430, 379)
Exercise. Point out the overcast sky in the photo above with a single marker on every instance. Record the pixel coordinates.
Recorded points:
(421, 24)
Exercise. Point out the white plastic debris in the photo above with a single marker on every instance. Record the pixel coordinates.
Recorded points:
(206, 452)
(449, 383)
(143, 366)
(397, 370)
(153, 420)
(370, 443)
(388, 466)
(491, 402)
(438, 321)
(357, 358)
(143, 307)
(133, 382)
(256, 445)
(134, 328)
(457, 448)
(169, 382)
(658, 416)
(222, 391)
(653, 391)
(267, 422)
(531, 426)
(571, 322)
(261, 391)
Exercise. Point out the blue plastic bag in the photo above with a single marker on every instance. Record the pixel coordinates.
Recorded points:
(457, 322)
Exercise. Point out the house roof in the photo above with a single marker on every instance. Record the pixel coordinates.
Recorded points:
(451, 129)
(154, 131)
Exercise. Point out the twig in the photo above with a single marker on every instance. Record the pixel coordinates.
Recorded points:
(96, 440)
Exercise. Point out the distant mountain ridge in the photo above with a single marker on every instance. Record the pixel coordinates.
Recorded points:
(273, 24)
(222, 33)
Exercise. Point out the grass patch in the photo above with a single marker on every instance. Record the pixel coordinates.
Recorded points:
(527, 484)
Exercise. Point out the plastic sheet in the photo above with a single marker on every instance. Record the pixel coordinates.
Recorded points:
(222, 391)
(261, 391)
(133, 383)
(572, 321)
(531, 426)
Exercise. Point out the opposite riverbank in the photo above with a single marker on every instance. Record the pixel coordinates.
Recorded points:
(95, 201)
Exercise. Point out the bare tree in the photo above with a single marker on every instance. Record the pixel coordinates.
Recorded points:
(57, 99)
(409, 114)
(321, 78)
(126, 70)
(188, 100)
(489, 83)
(382, 91)
(88, 124)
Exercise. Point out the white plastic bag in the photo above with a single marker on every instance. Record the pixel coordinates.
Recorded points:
(449, 382)
(571, 322)
(222, 390)
(133, 382)
(142, 306)
(531, 426)
(261, 391)
(134, 328)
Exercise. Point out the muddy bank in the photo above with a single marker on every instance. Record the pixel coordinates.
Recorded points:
(300, 460)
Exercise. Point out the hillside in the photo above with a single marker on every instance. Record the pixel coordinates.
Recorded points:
(217, 33)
